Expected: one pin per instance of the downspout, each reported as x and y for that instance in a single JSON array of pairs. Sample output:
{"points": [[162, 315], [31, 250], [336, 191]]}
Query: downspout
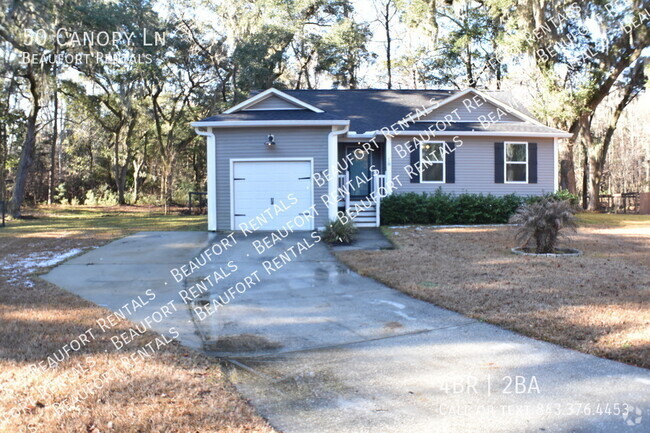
{"points": [[556, 167], [332, 169], [212, 176]]}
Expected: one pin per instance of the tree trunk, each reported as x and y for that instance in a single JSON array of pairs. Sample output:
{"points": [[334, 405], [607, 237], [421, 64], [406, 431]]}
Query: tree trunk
{"points": [[567, 168], [585, 177], [389, 65], [595, 174], [55, 130], [598, 156], [137, 166], [27, 153], [4, 153], [55, 137]]}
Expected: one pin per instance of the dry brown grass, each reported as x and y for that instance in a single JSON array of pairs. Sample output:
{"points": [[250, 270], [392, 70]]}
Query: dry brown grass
{"points": [[175, 390], [598, 303]]}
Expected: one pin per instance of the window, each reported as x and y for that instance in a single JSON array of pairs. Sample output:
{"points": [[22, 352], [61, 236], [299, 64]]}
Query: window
{"points": [[516, 162], [432, 160]]}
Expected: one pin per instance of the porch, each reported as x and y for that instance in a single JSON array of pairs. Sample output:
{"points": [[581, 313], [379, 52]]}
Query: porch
{"points": [[362, 181]]}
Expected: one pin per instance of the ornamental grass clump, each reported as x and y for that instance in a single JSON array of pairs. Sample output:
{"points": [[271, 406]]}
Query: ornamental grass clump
{"points": [[339, 232], [541, 222]]}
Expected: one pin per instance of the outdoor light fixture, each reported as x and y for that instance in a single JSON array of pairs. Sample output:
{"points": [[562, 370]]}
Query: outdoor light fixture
{"points": [[270, 141]]}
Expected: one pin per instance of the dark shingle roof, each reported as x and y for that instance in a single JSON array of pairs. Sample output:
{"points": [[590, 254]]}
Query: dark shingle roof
{"points": [[370, 110], [478, 127], [373, 109]]}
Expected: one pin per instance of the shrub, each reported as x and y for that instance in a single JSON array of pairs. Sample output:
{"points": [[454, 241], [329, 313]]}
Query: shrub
{"points": [[338, 232], [561, 195], [61, 194], [540, 222], [445, 208], [91, 199], [101, 196]]}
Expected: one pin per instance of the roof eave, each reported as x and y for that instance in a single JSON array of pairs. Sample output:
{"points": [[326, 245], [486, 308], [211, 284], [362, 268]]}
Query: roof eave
{"points": [[239, 123], [558, 134]]}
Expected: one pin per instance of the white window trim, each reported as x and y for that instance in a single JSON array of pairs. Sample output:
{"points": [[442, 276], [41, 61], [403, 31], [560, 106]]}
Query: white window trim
{"points": [[442, 144], [506, 162]]}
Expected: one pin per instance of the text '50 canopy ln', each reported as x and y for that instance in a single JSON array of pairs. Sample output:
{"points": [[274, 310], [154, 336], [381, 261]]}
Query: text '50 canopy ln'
{"points": [[299, 158]]}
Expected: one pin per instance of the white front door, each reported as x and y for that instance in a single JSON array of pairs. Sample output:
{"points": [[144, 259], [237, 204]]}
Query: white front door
{"points": [[268, 194]]}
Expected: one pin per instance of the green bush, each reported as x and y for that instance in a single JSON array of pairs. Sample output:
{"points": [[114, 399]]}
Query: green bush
{"points": [[446, 208], [61, 194], [561, 195], [338, 232], [101, 196]]}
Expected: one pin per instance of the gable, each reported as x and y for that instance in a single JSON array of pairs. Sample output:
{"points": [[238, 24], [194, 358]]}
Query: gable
{"points": [[273, 102], [470, 108], [277, 100]]}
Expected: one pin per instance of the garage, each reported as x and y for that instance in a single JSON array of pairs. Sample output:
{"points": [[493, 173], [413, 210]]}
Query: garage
{"points": [[271, 193]]}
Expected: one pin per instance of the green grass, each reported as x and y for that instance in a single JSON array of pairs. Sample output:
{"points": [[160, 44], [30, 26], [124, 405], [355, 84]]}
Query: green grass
{"points": [[112, 221], [610, 220]]}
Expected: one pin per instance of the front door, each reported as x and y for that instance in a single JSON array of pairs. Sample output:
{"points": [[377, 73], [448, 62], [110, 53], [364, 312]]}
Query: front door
{"points": [[359, 172]]}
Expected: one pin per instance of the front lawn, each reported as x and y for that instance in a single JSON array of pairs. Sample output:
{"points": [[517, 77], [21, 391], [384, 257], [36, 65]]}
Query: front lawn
{"points": [[598, 303], [177, 390]]}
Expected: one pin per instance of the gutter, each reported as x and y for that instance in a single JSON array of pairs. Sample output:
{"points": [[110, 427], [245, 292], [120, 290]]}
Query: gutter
{"points": [[332, 169], [211, 158], [434, 133], [239, 123]]}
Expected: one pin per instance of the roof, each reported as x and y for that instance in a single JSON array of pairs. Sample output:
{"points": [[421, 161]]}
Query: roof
{"points": [[523, 127], [271, 115], [370, 110], [373, 109]]}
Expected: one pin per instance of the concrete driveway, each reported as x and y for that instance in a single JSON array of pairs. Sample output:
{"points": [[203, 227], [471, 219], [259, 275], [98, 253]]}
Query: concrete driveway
{"points": [[318, 348]]}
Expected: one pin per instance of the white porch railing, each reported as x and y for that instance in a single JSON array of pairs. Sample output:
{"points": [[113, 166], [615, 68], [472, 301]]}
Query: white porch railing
{"points": [[344, 189], [379, 190]]}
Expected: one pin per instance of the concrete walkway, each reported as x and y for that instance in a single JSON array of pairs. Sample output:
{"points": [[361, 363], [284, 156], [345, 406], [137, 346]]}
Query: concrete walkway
{"points": [[318, 348]]}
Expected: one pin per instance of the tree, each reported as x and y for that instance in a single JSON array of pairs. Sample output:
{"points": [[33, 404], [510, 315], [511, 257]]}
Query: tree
{"points": [[15, 18], [462, 39], [342, 51], [173, 84], [582, 51], [386, 12]]}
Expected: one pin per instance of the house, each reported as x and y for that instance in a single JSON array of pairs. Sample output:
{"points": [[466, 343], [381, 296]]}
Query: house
{"points": [[298, 158]]}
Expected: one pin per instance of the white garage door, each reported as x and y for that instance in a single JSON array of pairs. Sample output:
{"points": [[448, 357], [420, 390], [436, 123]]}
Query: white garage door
{"points": [[271, 193]]}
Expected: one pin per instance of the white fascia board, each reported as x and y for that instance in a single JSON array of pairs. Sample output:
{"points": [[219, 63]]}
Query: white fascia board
{"points": [[367, 134], [434, 134], [239, 123], [267, 93]]}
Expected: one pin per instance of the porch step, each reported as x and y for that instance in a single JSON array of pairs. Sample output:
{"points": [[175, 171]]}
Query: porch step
{"points": [[366, 215], [365, 220]]}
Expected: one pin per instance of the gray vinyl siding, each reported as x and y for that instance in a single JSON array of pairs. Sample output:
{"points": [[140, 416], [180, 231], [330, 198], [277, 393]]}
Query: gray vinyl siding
{"points": [[475, 169], [273, 103], [472, 113], [249, 143]]}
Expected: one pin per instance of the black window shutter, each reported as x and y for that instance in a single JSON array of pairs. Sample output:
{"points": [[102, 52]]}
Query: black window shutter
{"points": [[498, 162], [450, 163], [415, 163], [532, 162]]}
